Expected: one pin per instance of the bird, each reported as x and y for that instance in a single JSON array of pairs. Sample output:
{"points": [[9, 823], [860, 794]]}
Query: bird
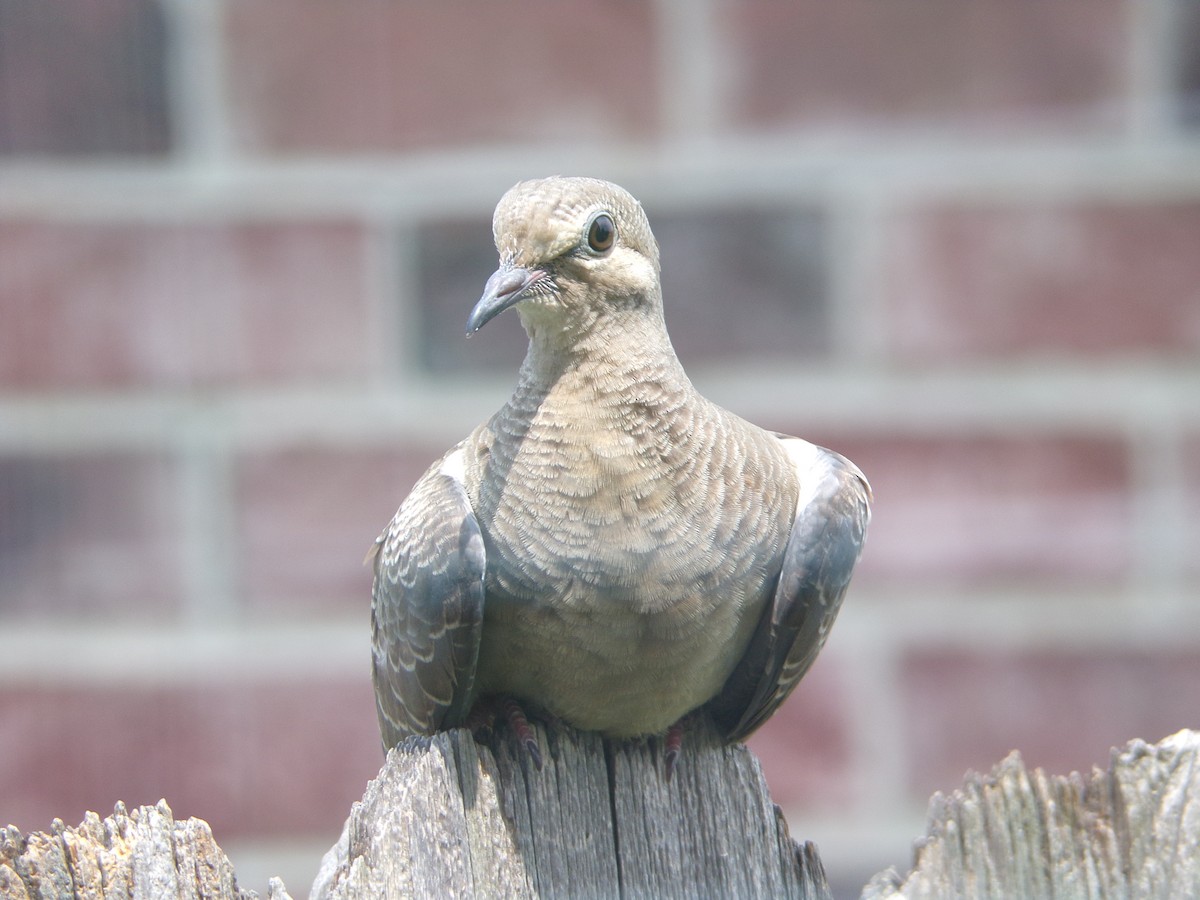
{"points": [[610, 549]]}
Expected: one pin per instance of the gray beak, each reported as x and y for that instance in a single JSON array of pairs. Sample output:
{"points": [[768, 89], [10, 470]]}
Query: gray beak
{"points": [[507, 286]]}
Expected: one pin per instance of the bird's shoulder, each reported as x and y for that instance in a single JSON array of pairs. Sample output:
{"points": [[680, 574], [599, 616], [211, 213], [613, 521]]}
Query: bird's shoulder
{"points": [[438, 497], [825, 475]]}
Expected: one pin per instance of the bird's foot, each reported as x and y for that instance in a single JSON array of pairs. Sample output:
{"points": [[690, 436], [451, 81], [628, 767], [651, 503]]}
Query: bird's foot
{"points": [[671, 747], [520, 726], [483, 716]]}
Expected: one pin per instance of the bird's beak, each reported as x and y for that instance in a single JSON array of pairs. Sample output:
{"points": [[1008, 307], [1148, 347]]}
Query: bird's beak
{"points": [[507, 286]]}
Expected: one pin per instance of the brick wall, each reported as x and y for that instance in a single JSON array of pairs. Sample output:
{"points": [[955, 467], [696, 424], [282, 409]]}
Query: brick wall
{"points": [[238, 242]]}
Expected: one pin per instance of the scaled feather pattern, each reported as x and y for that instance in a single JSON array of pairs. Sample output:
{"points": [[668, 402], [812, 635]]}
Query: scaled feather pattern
{"points": [[610, 548]]}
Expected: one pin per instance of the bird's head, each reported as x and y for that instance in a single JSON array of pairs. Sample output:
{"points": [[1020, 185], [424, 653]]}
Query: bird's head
{"points": [[572, 251]]}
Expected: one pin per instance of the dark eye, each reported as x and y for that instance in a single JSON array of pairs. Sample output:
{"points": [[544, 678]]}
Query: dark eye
{"points": [[601, 233]]}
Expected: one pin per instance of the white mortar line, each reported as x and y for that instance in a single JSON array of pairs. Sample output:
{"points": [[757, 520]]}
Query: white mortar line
{"points": [[688, 86], [869, 655], [858, 324], [1152, 64], [1160, 516], [208, 529], [119, 655], [197, 66], [1039, 617], [405, 302], [1047, 616], [904, 166], [390, 301], [1050, 399]]}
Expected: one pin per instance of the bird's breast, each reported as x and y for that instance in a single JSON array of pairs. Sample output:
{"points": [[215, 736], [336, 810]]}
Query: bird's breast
{"points": [[572, 520], [638, 554]]}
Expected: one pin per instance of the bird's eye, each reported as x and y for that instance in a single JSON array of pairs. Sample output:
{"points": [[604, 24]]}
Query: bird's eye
{"points": [[601, 233]]}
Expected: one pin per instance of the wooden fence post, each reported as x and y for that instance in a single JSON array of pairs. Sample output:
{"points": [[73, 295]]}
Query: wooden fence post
{"points": [[139, 853], [448, 817], [1132, 831]]}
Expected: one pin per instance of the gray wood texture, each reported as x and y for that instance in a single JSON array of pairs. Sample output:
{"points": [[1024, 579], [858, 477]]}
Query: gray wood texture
{"points": [[1132, 831], [143, 854], [449, 817]]}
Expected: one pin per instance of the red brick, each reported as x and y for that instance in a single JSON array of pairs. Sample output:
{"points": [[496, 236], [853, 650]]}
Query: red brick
{"points": [[966, 282], [990, 509], [818, 63], [89, 537], [318, 77], [82, 77], [1062, 709], [307, 516], [91, 305], [254, 760], [805, 747]]}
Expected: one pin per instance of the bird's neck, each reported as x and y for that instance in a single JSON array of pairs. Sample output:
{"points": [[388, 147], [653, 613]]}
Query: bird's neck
{"points": [[630, 358]]}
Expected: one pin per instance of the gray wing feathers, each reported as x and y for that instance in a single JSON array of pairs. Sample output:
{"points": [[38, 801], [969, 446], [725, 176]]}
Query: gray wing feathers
{"points": [[824, 545], [427, 608]]}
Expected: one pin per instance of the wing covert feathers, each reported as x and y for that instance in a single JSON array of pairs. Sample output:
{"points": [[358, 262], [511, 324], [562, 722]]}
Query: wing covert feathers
{"points": [[825, 542], [427, 607]]}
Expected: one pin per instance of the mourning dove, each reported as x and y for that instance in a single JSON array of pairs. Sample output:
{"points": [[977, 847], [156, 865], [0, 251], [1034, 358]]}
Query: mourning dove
{"points": [[610, 548]]}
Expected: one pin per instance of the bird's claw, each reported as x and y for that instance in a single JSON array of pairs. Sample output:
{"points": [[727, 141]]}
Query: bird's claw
{"points": [[521, 728], [671, 747]]}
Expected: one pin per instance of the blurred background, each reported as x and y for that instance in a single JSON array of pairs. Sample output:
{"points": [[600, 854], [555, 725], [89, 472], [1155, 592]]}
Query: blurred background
{"points": [[239, 239]]}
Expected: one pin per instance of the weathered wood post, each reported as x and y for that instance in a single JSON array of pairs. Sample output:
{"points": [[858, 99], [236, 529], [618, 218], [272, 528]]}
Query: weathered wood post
{"points": [[448, 817], [451, 818], [138, 853], [1132, 831]]}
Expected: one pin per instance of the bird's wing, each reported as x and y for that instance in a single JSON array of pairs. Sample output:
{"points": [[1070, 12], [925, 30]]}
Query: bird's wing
{"points": [[427, 606], [826, 539]]}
